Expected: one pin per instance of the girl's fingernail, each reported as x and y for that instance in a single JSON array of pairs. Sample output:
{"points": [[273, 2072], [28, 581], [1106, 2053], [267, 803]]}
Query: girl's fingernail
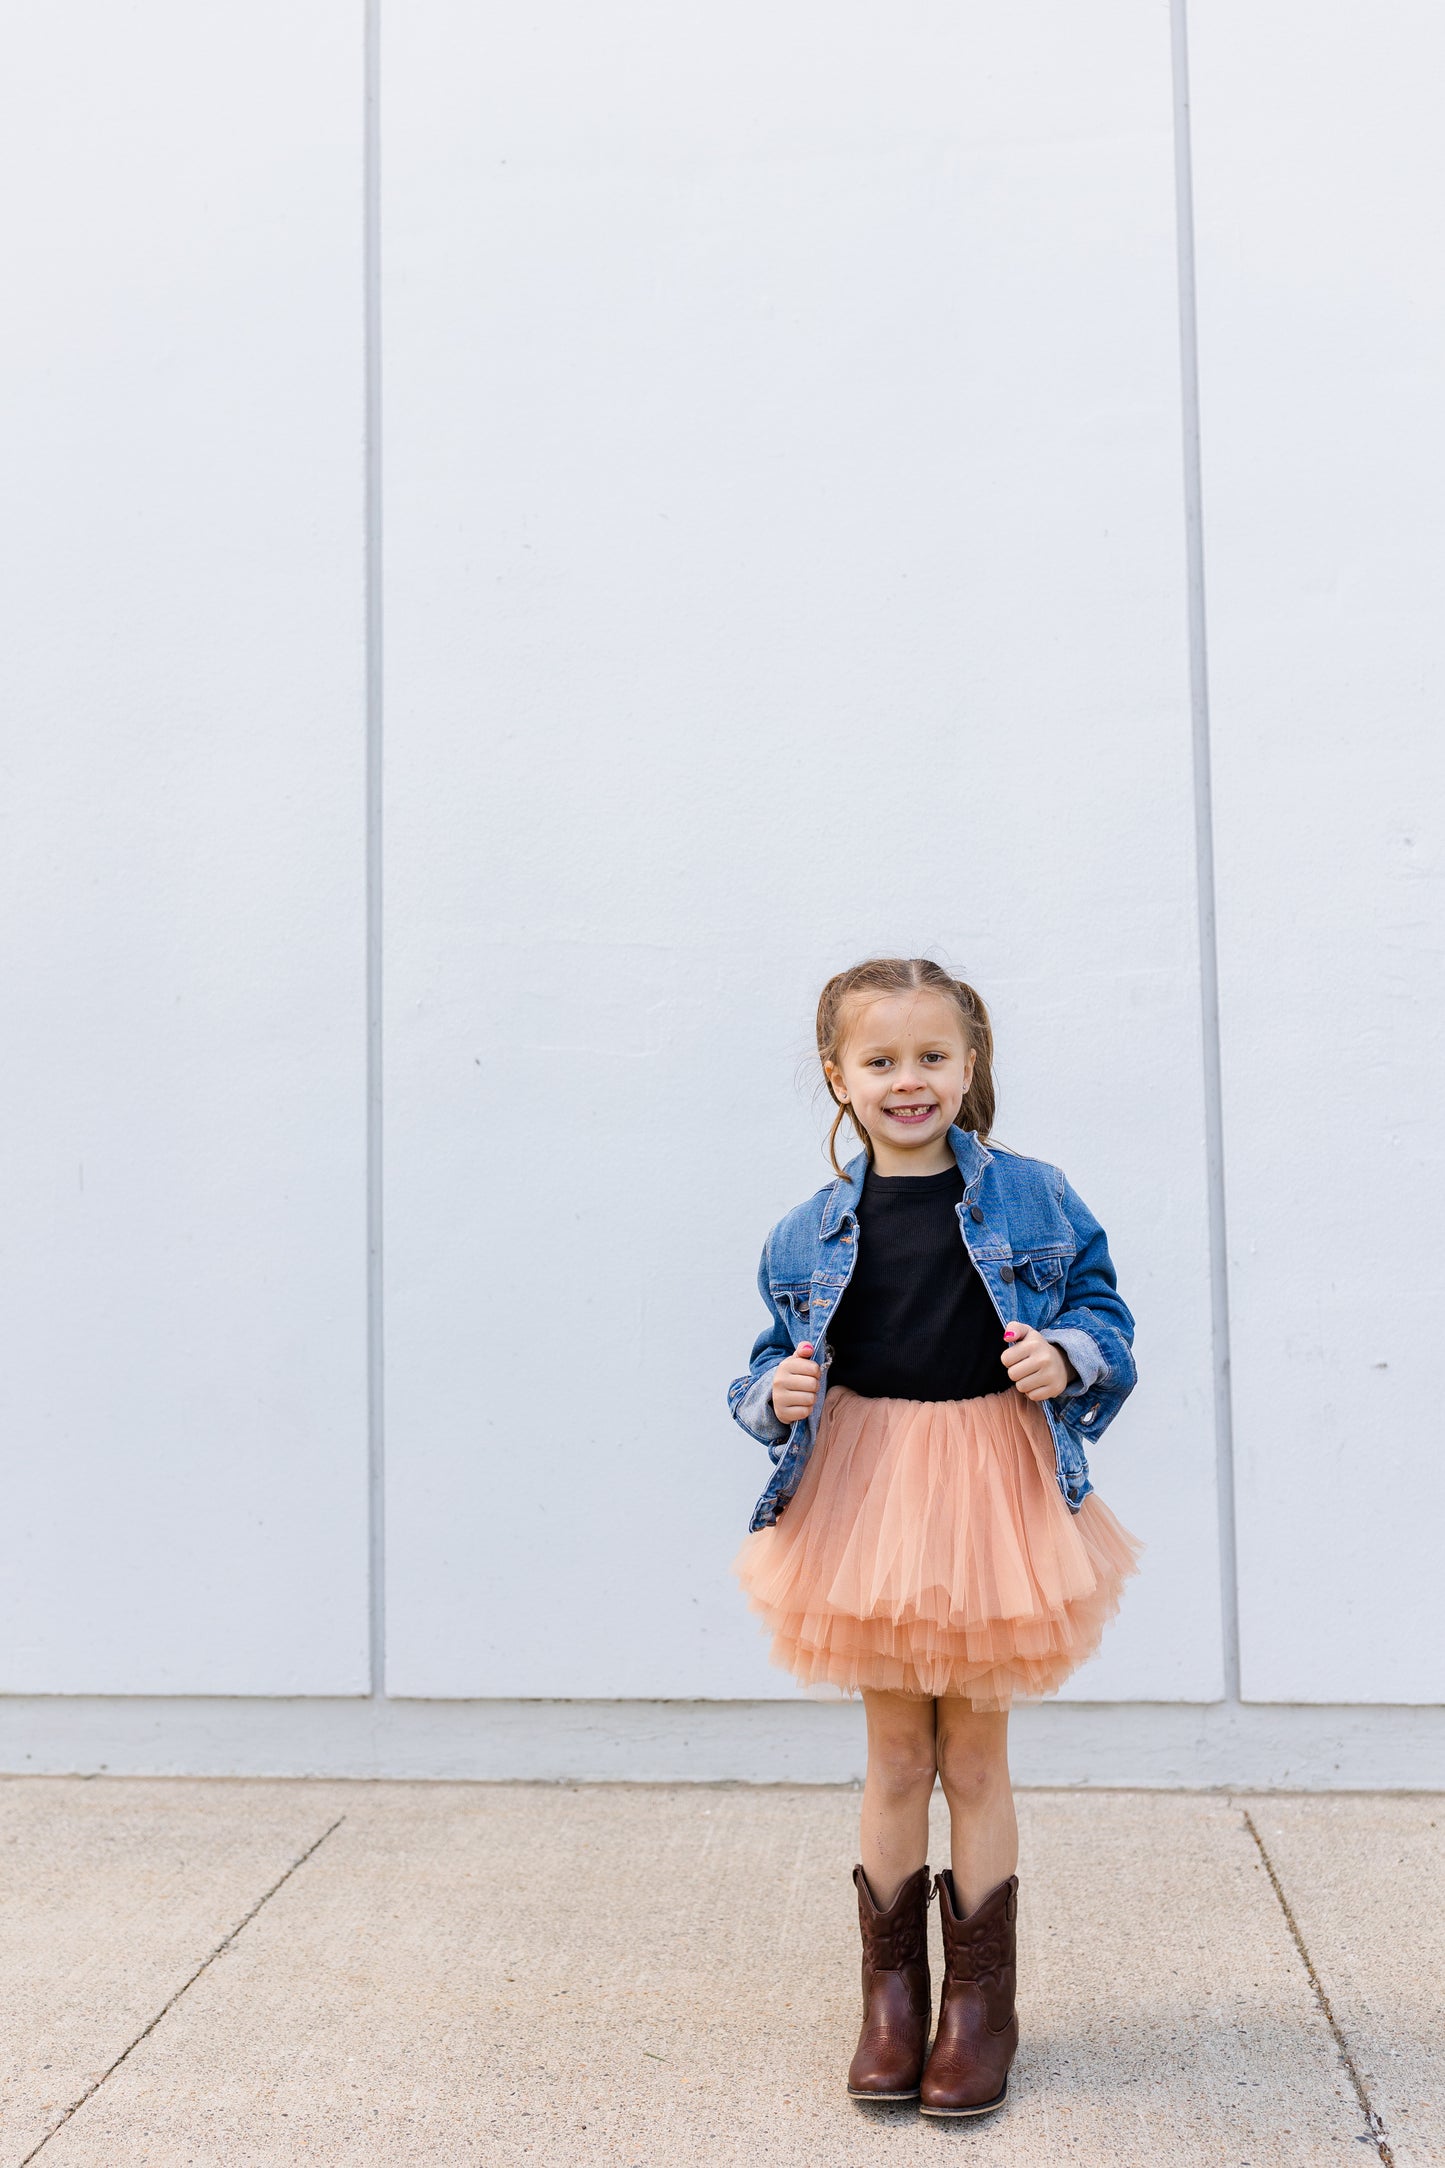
{"points": [[806, 1347]]}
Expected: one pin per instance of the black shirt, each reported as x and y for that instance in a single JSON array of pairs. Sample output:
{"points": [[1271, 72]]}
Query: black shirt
{"points": [[915, 1322]]}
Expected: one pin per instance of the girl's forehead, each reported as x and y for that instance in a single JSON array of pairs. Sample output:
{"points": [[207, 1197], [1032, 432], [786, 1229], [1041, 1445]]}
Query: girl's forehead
{"points": [[918, 1013]]}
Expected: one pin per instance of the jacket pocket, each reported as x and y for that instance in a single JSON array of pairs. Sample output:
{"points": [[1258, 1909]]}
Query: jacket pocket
{"points": [[793, 1299], [1041, 1269]]}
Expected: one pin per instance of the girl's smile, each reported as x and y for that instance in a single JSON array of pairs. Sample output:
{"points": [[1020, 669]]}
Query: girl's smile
{"points": [[920, 1111]]}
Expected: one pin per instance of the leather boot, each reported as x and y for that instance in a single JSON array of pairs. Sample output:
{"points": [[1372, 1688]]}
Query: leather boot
{"points": [[978, 2032], [896, 2006]]}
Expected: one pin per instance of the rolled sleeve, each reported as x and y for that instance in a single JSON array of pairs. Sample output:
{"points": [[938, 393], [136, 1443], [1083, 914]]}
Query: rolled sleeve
{"points": [[1085, 1354], [754, 1410]]}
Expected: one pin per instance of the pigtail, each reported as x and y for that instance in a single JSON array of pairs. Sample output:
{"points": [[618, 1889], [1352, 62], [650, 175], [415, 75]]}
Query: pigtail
{"points": [[829, 1037], [980, 1100], [838, 1120]]}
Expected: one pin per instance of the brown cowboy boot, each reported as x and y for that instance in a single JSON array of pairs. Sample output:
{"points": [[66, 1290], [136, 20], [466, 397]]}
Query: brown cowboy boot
{"points": [[978, 2033], [891, 2046]]}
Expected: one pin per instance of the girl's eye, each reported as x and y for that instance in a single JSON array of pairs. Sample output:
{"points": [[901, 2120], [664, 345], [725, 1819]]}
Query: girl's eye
{"points": [[879, 1061], [935, 1057]]}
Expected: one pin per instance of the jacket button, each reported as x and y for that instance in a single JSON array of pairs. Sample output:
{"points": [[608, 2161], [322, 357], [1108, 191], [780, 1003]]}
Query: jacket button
{"points": [[1006, 1274], [975, 1213]]}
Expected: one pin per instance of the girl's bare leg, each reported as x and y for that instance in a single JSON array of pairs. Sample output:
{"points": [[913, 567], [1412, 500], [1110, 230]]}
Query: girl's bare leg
{"points": [[973, 1765], [902, 1764]]}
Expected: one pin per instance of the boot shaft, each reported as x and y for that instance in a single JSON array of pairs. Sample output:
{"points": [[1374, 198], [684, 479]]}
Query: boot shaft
{"points": [[981, 1946], [895, 1936]]}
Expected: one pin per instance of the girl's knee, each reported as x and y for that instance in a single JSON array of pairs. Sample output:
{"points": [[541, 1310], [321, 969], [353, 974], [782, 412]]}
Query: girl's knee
{"points": [[902, 1767], [970, 1767]]}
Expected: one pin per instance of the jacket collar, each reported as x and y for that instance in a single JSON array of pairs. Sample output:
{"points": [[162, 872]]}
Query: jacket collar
{"points": [[971, 1157]]}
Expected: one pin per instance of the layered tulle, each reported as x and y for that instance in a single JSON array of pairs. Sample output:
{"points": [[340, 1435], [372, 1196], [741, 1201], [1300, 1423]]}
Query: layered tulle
{"points": [[929, 1550]]}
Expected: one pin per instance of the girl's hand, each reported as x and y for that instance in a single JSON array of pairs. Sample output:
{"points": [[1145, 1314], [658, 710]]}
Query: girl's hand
{"points": [[1037, 1368], [795, 1385]]}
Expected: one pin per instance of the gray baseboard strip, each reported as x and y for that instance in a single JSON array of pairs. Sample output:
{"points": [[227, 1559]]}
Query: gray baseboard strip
{"points": [[1249, 1746]]}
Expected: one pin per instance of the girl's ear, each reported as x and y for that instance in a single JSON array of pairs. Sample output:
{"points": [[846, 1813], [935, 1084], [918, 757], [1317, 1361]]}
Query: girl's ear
{"points": [[970, 1061], [835, 1080]]}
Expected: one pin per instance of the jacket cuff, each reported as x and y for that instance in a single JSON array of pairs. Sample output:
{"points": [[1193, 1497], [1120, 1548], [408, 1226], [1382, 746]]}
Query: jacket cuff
{"points": [[756, 1413], [1085, 1355]]}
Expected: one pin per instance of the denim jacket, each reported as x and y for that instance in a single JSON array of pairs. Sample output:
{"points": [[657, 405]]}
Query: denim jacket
{"points": [[1038, 1250]]}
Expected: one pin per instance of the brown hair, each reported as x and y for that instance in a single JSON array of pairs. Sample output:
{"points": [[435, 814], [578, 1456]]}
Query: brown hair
{"points": [[903, 975]]}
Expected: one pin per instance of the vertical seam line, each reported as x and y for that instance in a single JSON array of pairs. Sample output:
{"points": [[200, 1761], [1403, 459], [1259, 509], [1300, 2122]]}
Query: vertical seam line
{"points": [[1373, 2121], [371, 366], [186, 1985], [1204, 856]]}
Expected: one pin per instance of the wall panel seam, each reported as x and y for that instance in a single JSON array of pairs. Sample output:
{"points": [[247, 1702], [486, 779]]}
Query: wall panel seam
{"points": [[1204, 852], [372, 540]]}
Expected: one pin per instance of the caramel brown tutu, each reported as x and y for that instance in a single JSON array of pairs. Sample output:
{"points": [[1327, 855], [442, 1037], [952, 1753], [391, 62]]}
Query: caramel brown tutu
{"points": [[929, 1550]]}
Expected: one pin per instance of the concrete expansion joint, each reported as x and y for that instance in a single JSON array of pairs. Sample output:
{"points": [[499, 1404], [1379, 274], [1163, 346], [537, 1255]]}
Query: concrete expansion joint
{"points": [[1373, 2121], [186, 1985]]}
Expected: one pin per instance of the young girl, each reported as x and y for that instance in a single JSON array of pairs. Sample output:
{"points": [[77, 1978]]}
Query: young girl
{"points": [[944, 1331]]}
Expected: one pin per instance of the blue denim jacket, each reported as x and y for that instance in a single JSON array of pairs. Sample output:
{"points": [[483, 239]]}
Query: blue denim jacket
{"points": [[1038, 1250]]}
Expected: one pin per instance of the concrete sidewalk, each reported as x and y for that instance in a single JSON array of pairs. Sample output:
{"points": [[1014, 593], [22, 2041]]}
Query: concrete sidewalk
{"points": [[251, 1972]]}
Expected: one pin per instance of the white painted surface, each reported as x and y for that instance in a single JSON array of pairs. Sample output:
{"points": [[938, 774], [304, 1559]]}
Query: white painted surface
{"points": [[780, 403], [182, 929], [1171, 1746], [784, 562], [1320, 172]]}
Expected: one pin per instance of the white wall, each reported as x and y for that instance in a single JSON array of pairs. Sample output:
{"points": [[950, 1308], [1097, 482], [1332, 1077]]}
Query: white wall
{"points": [[784, 563], [183, 925], [784, 559], [1320, 175]]}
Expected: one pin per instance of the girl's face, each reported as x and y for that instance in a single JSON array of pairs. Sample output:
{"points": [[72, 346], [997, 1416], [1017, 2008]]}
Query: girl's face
{"points": [[903, 1068]]}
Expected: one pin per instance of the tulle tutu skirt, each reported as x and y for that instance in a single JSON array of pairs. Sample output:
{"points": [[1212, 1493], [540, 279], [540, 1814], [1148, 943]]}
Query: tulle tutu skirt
{"points": [[929, 1550]]}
